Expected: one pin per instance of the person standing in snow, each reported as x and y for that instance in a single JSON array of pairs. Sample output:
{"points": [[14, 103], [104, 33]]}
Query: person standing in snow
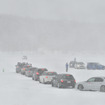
{"points": [[67, 67]]}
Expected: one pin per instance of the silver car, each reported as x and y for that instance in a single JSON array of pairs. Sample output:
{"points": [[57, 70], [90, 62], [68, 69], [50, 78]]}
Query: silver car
{"points": [[29, 71], [47, 77], [94, 83], [79, 65]]}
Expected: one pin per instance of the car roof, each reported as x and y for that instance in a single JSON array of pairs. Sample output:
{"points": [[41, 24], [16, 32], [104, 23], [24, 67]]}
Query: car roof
{"points": [[50, 71], [98, 77], [92, 62], [64, 74], [41, 68], [33, 67], [79, 62]]}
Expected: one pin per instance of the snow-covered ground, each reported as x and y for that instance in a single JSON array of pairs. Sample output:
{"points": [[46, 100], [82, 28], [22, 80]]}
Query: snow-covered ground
{"points": [[16, 89]]}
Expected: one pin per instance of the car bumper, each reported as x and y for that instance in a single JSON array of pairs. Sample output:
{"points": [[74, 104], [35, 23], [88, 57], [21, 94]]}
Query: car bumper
{"points": [[67, 84]]}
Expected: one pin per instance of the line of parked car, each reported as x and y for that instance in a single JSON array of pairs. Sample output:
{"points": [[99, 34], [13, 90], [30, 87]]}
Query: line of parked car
{"points": [[59, 80], [90, 65]]}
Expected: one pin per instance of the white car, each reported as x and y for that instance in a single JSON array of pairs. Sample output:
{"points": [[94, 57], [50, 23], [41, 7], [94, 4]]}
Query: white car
{"points": [[46, 77], [79, 65], [94, 83]]}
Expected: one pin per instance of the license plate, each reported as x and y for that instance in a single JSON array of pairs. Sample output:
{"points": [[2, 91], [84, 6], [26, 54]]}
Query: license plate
{"points": [[68, 81]]}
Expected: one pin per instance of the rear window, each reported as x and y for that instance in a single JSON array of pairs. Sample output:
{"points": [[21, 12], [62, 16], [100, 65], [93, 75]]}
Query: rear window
{"points": [[32, 69], [42, 70], [69, 77], [51, 73]]}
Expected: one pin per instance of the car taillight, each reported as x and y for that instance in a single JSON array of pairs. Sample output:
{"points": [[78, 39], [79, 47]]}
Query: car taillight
{"points": [[46, 77], [75, 81], [62, 80], [23, 68], [67, 75], [37, 73]]}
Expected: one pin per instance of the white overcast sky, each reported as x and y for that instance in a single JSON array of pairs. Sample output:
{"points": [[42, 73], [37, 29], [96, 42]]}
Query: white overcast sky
{"points": [[75, 10]]}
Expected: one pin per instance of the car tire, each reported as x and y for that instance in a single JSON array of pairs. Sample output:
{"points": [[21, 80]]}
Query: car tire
{"points": [[44, 81], [73, 86], [58, 85], [52, 84], [32, 78], [80, 87], [102, 88], [39, 81], [35, 79]]}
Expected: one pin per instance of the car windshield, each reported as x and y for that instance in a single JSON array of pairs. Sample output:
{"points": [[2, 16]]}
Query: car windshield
{"points": [[93, 63], [30, 69], [69, 77]]}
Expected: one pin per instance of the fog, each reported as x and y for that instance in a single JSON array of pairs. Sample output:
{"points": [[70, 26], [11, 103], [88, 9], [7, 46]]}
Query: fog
{"points": [[55, 25]]}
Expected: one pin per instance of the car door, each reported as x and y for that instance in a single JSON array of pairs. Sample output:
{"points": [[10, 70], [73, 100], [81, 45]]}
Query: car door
{"points": [[89, 84], [98, 82]]}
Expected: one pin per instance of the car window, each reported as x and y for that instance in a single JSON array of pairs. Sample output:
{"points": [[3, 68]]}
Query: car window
{"points": [[41, 70], [69, 77], [58, 76], [91, 80], [32, 69], [98, 80], [44, 73], [51, 73]]}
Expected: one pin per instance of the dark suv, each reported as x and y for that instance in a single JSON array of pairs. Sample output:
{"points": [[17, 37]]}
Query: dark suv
{"points": [[63, 80], [25, 67], [29, 71], [19, 66], [37, 73]]}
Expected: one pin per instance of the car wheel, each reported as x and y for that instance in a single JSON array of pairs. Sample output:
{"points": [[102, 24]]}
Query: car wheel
{"points": [[39, 81], [35, 79], [58, 85], [44, 81], [73, 86], [80, 87], [102, 88], [32, 78], [52, 84]]}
